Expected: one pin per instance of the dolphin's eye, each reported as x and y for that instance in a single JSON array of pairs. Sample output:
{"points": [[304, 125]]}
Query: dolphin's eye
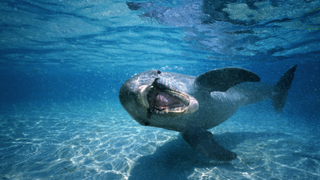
{"points": [[146, 123]]}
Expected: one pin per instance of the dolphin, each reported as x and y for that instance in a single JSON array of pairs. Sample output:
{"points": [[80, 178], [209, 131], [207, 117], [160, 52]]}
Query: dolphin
{"points": [[192, 105]]}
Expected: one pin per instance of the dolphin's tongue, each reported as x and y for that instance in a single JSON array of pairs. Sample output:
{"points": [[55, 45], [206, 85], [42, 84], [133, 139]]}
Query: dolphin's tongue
{"points": [[164, 100]]}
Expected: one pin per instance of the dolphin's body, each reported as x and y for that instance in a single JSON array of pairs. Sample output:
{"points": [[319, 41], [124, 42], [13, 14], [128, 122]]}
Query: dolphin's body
{"points": [[192, 105]]}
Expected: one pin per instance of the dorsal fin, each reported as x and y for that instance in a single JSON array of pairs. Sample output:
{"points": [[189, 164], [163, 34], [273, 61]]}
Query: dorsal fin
{"points": [[224, 78]]}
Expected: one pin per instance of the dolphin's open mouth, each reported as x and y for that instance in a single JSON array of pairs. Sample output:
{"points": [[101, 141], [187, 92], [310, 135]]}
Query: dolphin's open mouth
{"points": [[167, 100], [162, 100]]}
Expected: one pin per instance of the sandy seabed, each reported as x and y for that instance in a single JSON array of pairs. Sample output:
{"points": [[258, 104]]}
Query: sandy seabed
{"points": [[94, 140]]}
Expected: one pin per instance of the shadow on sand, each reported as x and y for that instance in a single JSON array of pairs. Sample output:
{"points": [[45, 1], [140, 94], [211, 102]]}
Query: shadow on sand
{"points": [[176, 160]]}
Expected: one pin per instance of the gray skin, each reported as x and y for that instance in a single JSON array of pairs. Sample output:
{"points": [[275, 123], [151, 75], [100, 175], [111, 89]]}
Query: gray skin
{"points": [[192, 105]]}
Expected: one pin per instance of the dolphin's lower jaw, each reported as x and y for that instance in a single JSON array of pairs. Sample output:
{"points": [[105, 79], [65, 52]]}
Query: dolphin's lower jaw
{"points": [[166, 101]]}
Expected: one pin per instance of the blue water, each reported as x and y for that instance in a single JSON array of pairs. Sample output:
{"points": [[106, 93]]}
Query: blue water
{"points": [[62, 64]]}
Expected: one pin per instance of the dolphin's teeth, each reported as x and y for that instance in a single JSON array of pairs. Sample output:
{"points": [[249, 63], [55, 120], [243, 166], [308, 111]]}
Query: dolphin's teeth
{"points": [[182, 96]]}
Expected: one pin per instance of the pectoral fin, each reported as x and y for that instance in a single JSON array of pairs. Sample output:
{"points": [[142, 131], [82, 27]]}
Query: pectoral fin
{"points": [[204, 142], [224, 78]]}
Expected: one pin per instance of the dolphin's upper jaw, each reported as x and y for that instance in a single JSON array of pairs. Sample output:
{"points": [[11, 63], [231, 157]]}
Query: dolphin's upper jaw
{"points": [[166, 100]]}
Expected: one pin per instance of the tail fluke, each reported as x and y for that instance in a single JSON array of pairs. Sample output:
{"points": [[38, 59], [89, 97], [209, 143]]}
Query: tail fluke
{"points": [[280, 94]]}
